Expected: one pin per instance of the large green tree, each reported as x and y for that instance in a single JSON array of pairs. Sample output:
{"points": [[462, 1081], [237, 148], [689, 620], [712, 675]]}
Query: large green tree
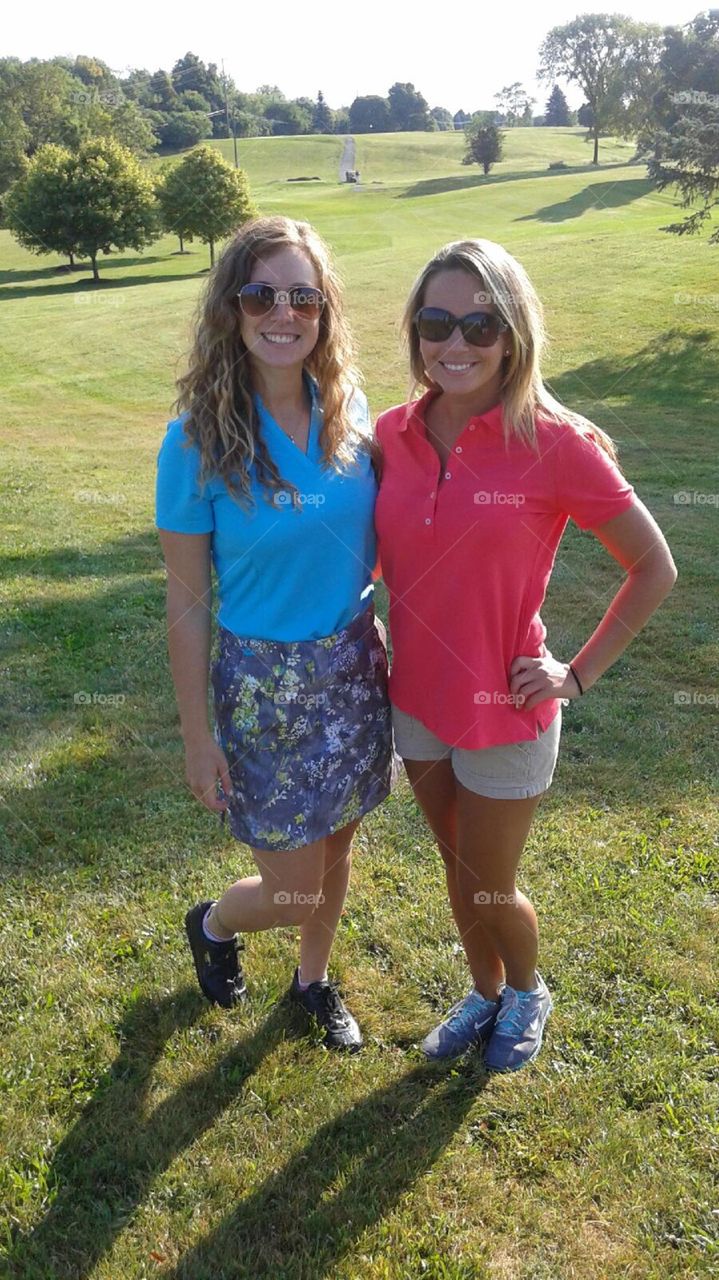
{"points": [[206, 197], [611, 58], [681, 142], [38, 208], [369, 114], [92, 200], [408, 109]]}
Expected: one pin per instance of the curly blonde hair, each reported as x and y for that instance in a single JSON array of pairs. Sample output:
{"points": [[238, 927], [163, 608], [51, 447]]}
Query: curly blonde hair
{"points": [[502, 281], [217, 391]]}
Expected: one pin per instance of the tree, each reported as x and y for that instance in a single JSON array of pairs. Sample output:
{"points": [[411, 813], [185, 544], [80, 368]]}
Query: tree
{"points": [[682, 140], [322, 121], [287, 117], [173, 201], [407, 108], [483, 145], [342, 120], [14, 139], [369, 114], [513, 102], [216, 197], [557, 109], [443, 118], [604, 54], [38, 207], [112, 202], [185, 129], [163, 94]]}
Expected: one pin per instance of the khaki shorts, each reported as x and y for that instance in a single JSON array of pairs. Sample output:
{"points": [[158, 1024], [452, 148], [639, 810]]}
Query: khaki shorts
{"points": [[513, 771]]}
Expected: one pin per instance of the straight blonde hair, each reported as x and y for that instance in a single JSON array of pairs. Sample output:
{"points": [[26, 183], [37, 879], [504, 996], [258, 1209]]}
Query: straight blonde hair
{"points": [[502, 281]]}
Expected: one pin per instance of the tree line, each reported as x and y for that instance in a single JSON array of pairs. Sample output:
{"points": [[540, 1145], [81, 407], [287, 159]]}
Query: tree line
{"points": [[61, 145]]}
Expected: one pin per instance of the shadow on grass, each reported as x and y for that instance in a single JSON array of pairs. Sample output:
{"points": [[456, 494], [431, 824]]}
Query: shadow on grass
{"points": [[112, 1156], [356, 1168], [462, 182], [89, 291], [675, 368], [598, 195]]}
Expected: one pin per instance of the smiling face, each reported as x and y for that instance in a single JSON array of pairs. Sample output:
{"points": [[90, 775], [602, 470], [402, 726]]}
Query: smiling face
{"points": [[281, 339], [459, 368]]}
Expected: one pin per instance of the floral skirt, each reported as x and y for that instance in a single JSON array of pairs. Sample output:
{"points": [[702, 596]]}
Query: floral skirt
{"points": [[306, 727]]}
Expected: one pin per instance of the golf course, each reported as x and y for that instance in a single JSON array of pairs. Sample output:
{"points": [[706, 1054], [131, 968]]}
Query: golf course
{"points": [[148, 1134]]}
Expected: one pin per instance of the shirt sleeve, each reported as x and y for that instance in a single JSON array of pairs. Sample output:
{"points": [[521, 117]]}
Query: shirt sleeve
{"points": [[589, 485], [181, 504]]}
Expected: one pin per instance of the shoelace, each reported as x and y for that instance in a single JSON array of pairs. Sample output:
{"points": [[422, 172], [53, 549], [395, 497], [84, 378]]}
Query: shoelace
{"points": [[330, 998], [510, 1017], [460, 1015]]}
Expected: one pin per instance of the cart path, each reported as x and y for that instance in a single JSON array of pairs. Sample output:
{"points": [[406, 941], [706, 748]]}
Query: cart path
{"points": [[348, 158]]}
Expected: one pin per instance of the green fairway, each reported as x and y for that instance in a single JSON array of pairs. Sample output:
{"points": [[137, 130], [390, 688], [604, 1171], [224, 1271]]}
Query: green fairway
{"points": [[148, 1135]]}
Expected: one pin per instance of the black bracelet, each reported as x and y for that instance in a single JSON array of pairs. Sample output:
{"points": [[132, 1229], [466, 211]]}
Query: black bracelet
{"points": [[576, 677]]}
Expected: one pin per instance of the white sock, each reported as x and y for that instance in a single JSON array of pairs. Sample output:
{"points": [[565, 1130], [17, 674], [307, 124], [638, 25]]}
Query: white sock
{"points": [[304, 985], [213, 937]]}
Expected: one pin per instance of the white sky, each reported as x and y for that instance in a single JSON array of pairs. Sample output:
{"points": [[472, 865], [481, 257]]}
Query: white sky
{"points": [[458, 55]]}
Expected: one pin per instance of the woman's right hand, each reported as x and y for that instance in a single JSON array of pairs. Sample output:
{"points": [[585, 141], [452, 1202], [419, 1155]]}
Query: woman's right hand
{"points": [[205, 766]]}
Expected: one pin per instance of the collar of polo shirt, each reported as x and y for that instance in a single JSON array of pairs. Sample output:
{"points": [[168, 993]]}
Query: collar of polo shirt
{"points": [[415, 412]]}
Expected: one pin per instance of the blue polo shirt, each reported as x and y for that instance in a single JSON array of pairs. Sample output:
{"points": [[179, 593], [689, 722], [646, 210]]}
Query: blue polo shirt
{"points": [[284, 572]]}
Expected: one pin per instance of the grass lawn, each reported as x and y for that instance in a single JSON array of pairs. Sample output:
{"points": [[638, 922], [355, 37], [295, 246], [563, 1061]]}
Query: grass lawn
{"points": [[147, 1135]]}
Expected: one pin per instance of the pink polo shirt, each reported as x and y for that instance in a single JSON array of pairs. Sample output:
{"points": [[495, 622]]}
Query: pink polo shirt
{"points": [[467, 552]]}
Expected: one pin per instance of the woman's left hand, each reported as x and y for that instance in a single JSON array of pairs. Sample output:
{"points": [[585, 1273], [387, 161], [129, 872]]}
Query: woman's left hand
{"points": [[534, 680]]}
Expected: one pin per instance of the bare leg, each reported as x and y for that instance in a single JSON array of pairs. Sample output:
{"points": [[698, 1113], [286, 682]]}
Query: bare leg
{"points": [[490, 838], [318, 931], [284, 893], [435, 788]]}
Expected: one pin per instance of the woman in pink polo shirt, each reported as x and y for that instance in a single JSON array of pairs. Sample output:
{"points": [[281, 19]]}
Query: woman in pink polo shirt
{"points": [[480, 476]]}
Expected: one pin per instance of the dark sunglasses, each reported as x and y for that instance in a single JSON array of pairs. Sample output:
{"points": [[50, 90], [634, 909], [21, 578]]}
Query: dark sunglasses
{"points": [[258, 300], [478, 328]]}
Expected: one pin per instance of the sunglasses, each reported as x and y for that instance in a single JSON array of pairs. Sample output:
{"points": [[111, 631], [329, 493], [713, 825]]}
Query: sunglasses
{"points": [[478, 328], [258, 300]]}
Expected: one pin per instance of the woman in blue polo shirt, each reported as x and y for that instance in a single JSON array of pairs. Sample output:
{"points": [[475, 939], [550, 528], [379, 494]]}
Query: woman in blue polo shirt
{"points": [[268, 475]]}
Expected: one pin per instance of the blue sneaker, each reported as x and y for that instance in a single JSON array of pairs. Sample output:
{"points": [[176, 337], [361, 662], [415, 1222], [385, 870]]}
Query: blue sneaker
{"points": [[469, 1022], [517, 1034]]}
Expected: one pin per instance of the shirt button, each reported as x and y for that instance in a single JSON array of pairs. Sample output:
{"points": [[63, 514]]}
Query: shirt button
{"points": [[448, 475], [471, 426], [458, 449], [432, 494], [427, 520]]}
